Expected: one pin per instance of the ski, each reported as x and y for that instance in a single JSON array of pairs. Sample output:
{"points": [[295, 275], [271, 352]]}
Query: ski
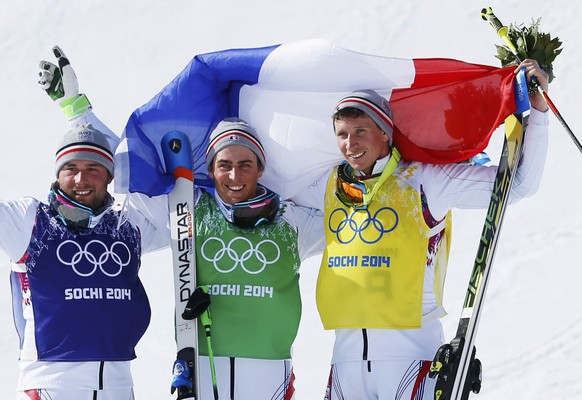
{"points": [[455, 367], [178, 160]]}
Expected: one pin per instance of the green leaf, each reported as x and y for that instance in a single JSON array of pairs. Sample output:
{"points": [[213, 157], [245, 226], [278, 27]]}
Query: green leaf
{"points": [[532, 43]]}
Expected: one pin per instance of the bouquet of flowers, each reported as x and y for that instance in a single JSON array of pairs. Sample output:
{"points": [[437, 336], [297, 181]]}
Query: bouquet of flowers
{"points": [[530, 42]]}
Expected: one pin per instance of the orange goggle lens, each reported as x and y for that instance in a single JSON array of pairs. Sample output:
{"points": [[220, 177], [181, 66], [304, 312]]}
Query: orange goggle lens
{"points": [[349, 192]]}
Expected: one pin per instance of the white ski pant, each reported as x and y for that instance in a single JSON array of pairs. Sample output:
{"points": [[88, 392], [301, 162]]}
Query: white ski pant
{"points": [[60, 394], [380, 380], [247, 379]]}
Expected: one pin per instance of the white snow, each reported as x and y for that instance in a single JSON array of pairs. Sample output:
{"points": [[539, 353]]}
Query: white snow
{"points": [[125, 51]]}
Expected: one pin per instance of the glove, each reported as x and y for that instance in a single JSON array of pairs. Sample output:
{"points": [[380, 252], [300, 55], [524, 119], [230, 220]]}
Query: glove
{"points": [[60, 83]]}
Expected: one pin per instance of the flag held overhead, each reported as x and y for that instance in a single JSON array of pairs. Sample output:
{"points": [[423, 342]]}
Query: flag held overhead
{"points": [[444, 110]]}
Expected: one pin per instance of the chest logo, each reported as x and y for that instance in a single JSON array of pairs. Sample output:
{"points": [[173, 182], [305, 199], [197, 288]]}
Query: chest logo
{"points": [[240, 251], [361, 223], [85, 260]]}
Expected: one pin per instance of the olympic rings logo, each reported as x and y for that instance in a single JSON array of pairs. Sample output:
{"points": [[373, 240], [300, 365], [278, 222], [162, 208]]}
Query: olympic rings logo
{"points": [[240, 251], [96, 254], [370, 229]]}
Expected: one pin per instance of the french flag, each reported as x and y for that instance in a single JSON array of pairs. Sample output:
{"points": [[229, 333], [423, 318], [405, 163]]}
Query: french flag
{"points": [[444, 110]]}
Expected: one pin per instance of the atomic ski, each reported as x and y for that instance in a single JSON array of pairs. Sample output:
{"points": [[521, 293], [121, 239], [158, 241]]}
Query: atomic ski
{"points": [[455, 367], [178, 160]]}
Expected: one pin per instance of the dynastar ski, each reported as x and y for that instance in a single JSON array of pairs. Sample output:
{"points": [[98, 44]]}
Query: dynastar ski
{"points": [[455, 367], [178, 159]]}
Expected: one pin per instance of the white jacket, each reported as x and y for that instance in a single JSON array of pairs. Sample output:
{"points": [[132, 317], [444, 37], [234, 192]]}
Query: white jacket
{"points": [[446, 187]]}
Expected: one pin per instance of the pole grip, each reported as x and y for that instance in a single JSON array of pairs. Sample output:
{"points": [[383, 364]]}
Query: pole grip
{"points": [[487, 15]]}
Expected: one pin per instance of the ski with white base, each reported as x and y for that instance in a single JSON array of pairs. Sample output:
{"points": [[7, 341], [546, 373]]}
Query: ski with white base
{"points": [[177, 153]]}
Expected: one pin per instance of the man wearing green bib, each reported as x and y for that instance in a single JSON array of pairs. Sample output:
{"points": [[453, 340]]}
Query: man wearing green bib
{"points": [[249, 257]]}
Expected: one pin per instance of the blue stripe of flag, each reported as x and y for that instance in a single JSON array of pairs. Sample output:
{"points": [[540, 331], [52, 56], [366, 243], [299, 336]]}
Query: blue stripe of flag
{"points": [[204, 93]]}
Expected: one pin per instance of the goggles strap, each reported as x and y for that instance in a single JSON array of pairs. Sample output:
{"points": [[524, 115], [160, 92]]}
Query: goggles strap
{"points": [[73, 214], [229, 211], [388, 170]]}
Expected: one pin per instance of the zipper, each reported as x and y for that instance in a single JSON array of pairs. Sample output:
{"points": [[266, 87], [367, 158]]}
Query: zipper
{"points": [[101, 367], [232, 369], [365, 339], [365, 349]]}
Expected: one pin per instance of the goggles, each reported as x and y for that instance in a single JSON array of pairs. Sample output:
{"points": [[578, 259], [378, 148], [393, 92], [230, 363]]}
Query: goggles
{"points": [[349, 190], [73, 214], [254, 212], [353, 192]]}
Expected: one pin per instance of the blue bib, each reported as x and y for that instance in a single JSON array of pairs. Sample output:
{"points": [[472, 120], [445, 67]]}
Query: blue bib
{"points": [[87, 300]]}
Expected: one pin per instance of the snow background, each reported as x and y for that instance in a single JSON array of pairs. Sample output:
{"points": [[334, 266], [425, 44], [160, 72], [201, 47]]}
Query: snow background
{"points": [[125, 51]]}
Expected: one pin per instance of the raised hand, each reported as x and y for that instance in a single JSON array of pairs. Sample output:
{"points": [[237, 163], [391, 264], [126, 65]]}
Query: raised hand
{"points": [[60, 82]]}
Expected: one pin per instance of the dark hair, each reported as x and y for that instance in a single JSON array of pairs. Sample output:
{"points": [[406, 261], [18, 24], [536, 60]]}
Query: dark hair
{"points": [[348, 112]]}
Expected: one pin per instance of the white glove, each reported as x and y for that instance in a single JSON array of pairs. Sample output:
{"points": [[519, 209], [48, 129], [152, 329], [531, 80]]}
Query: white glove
{"points": [[60, 83]]}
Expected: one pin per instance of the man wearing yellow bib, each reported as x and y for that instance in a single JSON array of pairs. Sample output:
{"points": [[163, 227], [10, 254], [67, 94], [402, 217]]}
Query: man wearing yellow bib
{"points": [[387, 224]]}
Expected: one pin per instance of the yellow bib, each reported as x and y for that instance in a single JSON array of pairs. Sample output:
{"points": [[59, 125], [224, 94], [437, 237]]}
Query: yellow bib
{"points": [[372, 270]]}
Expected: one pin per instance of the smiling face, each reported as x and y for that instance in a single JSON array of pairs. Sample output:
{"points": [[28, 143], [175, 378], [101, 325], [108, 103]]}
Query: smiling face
{"points": [[360, 141], [85, 182], [235, 171]]}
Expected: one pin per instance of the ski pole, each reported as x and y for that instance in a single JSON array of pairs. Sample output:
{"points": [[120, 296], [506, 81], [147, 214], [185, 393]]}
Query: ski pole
{"points": [[206, 322], [198, 307], [487, 15]]}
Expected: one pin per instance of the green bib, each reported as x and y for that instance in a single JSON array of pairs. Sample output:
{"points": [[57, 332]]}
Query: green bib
{"points": [[253, 282]]}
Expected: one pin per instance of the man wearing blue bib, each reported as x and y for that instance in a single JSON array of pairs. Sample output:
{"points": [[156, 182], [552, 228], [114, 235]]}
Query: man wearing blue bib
{"points": [[79, 306]]}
